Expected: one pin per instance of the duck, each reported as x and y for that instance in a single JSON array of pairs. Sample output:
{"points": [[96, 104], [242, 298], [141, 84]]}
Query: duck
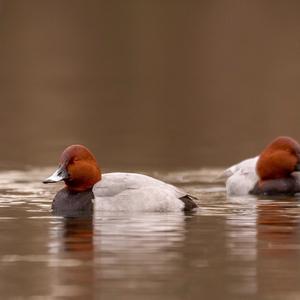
{"points": [[274, 171], [87, 189]]}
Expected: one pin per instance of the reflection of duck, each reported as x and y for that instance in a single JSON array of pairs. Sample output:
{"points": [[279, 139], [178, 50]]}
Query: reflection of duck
{"points": [[263, 246], [113, 191], [278, 251], [76, 236], [72, 248], [272, 172], [277, 225], [137, 248]]}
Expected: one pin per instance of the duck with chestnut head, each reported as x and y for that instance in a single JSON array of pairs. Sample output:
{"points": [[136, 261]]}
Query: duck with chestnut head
{"points": [[274, 171], [86, 189]]}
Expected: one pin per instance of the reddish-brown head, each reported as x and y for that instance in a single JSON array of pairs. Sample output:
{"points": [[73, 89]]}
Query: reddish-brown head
{"points": [[279, 159], [78, 168]]}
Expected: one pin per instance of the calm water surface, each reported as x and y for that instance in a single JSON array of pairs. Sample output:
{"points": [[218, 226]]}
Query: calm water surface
{"points": [[238, 248]]}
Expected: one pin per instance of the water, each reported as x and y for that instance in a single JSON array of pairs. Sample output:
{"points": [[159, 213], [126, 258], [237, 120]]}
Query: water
{"points": [[231, 248]]}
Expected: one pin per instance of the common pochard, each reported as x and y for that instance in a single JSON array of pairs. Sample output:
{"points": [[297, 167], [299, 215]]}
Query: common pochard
{"points": [[274, 171], [86, 189]]}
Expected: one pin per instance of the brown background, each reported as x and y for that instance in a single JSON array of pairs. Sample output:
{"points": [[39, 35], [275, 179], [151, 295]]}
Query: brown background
{"points": [[147, 84]]}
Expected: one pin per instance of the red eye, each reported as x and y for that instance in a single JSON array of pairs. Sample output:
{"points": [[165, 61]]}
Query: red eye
{"points": [[71, 161]]}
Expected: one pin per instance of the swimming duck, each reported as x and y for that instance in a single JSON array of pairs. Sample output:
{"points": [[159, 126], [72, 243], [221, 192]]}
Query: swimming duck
{"points": [[274, 171], [87, 189]]}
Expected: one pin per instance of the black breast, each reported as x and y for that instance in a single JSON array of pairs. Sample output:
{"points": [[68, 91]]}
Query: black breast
{"points": [[289, 185], [66, 202]]}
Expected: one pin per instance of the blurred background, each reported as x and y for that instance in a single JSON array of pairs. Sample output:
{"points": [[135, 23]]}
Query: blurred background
{"points": [[147, 84]]}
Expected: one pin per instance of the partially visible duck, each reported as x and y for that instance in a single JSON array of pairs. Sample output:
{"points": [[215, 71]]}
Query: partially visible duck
{"points": [[87, 189], [272, 172], [242, 177]]}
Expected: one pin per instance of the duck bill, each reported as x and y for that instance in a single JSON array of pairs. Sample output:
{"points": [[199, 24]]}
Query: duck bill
{"points": [[60, 174]]}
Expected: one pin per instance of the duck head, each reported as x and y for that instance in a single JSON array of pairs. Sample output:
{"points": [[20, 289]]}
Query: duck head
{"points": [[279, 159], [78, 168]]}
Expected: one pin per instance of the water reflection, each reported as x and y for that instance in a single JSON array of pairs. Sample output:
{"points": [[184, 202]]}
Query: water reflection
{"points": [[72, 241], [263, 247], [118, 250], [278, 222], [139, 247], [76, 235], [241, 244], [248, 247]]}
